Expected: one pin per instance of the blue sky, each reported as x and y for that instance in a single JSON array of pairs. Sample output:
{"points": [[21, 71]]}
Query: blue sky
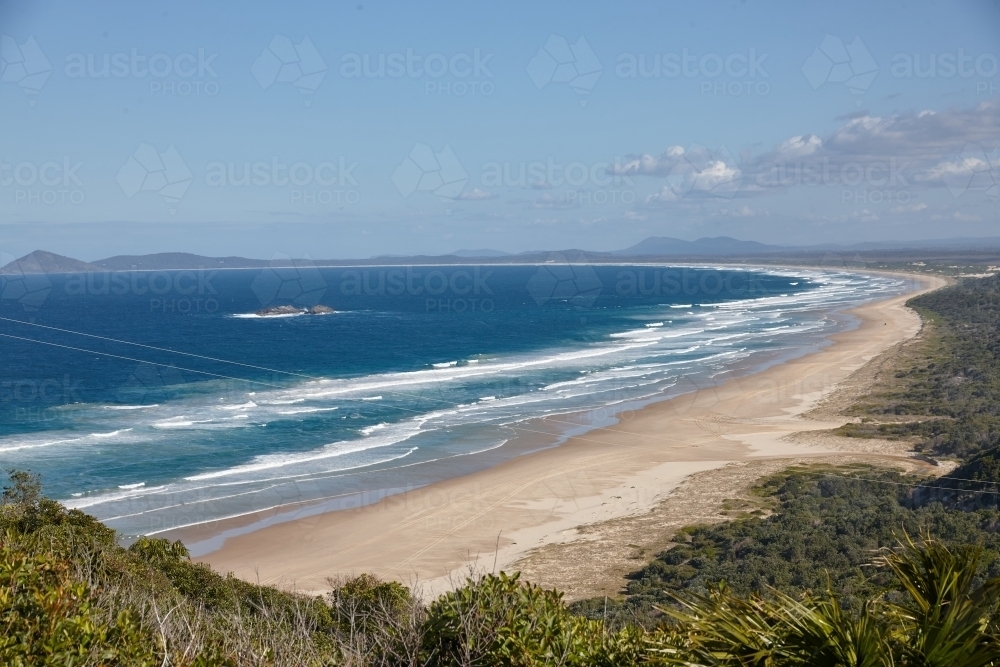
{"points": [[514, 126]]}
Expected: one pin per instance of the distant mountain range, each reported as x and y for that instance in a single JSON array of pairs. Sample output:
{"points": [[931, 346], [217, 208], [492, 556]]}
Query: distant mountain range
{"points": [[705, 247], [718, 247]]}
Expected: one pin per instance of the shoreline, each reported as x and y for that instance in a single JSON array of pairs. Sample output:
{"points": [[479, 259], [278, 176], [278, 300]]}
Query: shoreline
{"points": [[494, 517]]}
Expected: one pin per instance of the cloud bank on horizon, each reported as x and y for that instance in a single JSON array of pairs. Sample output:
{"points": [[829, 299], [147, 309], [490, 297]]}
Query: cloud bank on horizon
{"points": [[356, 130]]}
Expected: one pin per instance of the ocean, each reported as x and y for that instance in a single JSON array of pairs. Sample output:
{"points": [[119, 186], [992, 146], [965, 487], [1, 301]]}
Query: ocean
{"points": [[158, 400]]}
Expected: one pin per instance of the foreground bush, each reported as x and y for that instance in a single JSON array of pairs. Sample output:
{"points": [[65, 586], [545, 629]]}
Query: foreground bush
{"points": [[944, 621], [499, 621], [822, 528], [49, 619], [69, 595]]}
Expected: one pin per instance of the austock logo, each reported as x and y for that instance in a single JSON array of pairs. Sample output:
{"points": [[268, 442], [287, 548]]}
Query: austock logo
{"points": [[559, 280], [148, 170], [149, 383], [835, 62], [286, 281], [54, 182], [40, 400], [558, 61], [327, 182], [424, 170], [284, 62], [457, 290], [182, 75], [23, 64], [181, 291], [732, 75], [24, 282], [703, 282], [459, 74], [975, 170]]}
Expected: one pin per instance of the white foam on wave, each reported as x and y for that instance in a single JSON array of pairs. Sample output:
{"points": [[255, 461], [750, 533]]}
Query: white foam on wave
{"points": [[19, 445], [130, 407], [446, 364], [394, 434], [173, 422], [255, 510], [244, 406], [109, 435], [127, 487], [181, 422], [34, 443], [272, 467], [80, 502], [303, 411], [326, 388]]}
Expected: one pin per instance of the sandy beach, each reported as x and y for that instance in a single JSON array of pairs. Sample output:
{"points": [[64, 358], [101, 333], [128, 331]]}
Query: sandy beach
{"points": [[536, 511]]}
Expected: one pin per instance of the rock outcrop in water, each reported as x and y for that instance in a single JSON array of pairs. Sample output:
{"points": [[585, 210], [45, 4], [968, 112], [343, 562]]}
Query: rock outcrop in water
{"points": [[279, 311]]}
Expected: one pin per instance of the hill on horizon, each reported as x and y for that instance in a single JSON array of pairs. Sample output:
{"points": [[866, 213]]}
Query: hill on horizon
{"points": [[176, 260], [716, 247], [42, 261]]}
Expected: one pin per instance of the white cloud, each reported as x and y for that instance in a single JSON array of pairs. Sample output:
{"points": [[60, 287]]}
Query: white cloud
{"points": [[800, 146], [665, 194], [897, 152], [715, 174], [693, 172], [922, 138], [964, 217], [650, 165]]}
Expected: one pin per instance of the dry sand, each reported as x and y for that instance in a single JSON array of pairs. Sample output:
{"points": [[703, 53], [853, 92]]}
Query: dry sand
{"points": [[583, 514]]}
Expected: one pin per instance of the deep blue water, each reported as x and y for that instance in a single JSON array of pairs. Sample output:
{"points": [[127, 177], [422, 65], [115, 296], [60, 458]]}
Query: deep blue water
{"points": [[422, 372]]}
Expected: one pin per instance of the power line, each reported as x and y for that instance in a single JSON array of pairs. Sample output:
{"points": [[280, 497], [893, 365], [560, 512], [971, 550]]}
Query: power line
{"points": [[140, 361], [915, 486], [189, 354], [159, 349]]}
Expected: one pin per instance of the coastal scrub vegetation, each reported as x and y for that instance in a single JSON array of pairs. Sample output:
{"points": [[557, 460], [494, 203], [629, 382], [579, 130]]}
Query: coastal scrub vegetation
{"points": [[825, 527], [69, 595], [946, 392]]}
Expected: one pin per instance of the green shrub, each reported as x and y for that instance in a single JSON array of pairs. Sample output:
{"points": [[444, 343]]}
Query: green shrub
{"points": [[497, 620], [49, 619]]}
